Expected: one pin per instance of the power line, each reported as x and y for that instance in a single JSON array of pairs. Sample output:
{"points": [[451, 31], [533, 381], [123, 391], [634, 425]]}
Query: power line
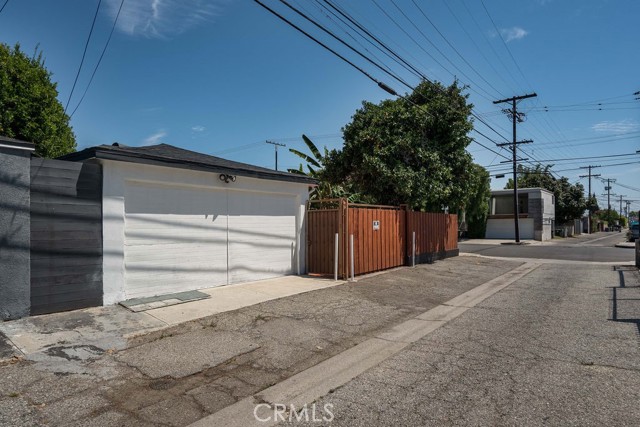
{"points": [[345, 43], [376, 39], [576, 169], [464, 29], [589, 157], [84, 53], [504, 43], [628, 187], [379, 83], [115, 21], [362, 28], [452, 46], [484, 36], [4, 5], [428, 41], [345, 27]]}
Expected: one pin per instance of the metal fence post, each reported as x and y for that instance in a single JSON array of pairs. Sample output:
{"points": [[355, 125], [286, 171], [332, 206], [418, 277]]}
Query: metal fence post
{"points": [[335, 262], [353, 275], [413, 249]]}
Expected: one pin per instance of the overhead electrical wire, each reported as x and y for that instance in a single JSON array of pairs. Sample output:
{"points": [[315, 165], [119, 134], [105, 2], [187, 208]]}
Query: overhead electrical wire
{"points": [[93, 74], [4, 5], [499, 34], [486, 39], [549, 121], [452, 46], [581, 168], [380, 84], [351, 48], [84, 53], [464, 29], [363, 29], [586, 158], [375, 2], [368, 33], [344, 27]]}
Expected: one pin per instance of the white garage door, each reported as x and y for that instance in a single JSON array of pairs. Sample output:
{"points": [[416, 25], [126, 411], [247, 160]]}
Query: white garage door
{"points": [[183, 238], [262, 236], [504, 228]]}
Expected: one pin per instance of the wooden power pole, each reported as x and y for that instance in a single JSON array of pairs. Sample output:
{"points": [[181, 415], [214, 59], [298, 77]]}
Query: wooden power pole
{"points": [[516, 117]]}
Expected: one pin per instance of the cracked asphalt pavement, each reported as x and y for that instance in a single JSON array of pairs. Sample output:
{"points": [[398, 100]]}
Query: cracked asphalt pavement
{"points": [[180, 379], [560, 346]]}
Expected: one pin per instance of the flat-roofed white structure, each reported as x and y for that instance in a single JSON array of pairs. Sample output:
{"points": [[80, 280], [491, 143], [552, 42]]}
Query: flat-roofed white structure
{"points": [[536, 216]]}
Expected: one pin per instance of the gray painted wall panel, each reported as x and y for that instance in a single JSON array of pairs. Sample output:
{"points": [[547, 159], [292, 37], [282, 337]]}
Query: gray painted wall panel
{"points": [[14, 233], [66, 237]]}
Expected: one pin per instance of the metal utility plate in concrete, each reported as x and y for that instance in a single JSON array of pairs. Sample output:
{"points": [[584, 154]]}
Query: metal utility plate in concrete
{"points": [[143, 304]]}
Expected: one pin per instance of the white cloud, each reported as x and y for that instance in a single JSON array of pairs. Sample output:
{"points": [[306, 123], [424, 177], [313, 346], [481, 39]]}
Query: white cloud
{"points": [[154, 139], [198, 128], [619, 126], [513, 33], [162, 18]]}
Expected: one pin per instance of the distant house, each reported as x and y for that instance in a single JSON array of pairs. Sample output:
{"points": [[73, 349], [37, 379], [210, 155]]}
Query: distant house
{"points": [[536, 214]]}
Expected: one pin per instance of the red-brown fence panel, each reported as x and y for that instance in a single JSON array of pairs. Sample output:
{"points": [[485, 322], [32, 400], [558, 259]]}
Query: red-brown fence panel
{"points": [[378, 234], [322, 225], [383, 237], [436, 236]]}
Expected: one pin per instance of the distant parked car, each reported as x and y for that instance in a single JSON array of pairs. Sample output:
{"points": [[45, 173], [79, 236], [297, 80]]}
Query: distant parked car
{"points": [[633, 232]]}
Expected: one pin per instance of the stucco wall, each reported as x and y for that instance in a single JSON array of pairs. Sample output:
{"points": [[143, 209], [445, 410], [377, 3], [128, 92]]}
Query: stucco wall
{"points": [[118, 177], [15, 233]]}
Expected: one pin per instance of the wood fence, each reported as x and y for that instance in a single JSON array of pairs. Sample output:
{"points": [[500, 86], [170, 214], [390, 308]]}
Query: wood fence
{"points": [[383, 237]]}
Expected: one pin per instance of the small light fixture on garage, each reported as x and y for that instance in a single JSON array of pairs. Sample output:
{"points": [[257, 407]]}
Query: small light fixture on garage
{"points": [[226, 178]]}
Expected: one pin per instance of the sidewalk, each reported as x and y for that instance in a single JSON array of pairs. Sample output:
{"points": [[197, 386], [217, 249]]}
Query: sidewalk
{"points": [[117, 328]]}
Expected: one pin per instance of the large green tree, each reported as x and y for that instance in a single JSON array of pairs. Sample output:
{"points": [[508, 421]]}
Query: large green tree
{"points": [[409, 150], [477, 208], [570, 201], [29, 107]]}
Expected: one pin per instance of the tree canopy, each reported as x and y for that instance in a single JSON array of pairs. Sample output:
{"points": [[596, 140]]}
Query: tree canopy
{"points": [[315, 169], [410, 150], [478, 204], [570, 200], [29, 107]]}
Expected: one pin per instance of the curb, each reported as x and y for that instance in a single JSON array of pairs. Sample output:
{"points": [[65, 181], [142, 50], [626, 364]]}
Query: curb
{"points": [[626, 245]]}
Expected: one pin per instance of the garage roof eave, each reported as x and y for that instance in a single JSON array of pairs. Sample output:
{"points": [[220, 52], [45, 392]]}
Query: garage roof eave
{"points": [[131, 155]]}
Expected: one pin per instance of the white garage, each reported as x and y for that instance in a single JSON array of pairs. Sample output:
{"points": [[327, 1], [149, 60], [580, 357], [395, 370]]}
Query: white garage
{"points": [[176, 220]]}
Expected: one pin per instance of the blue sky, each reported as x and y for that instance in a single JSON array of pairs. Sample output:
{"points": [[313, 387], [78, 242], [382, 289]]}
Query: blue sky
{"points": [[223, 76]]}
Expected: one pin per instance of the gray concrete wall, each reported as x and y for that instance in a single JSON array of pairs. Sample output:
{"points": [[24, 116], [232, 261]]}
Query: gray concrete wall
{"points": [[15, 232], [535, 212]]}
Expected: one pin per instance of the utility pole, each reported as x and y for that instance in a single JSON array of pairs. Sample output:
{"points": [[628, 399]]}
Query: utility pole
{"points": [[516, 117], [275, 146], [608, 188], [621, 196], [626, 211], [609, 181], [590, 175]]}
